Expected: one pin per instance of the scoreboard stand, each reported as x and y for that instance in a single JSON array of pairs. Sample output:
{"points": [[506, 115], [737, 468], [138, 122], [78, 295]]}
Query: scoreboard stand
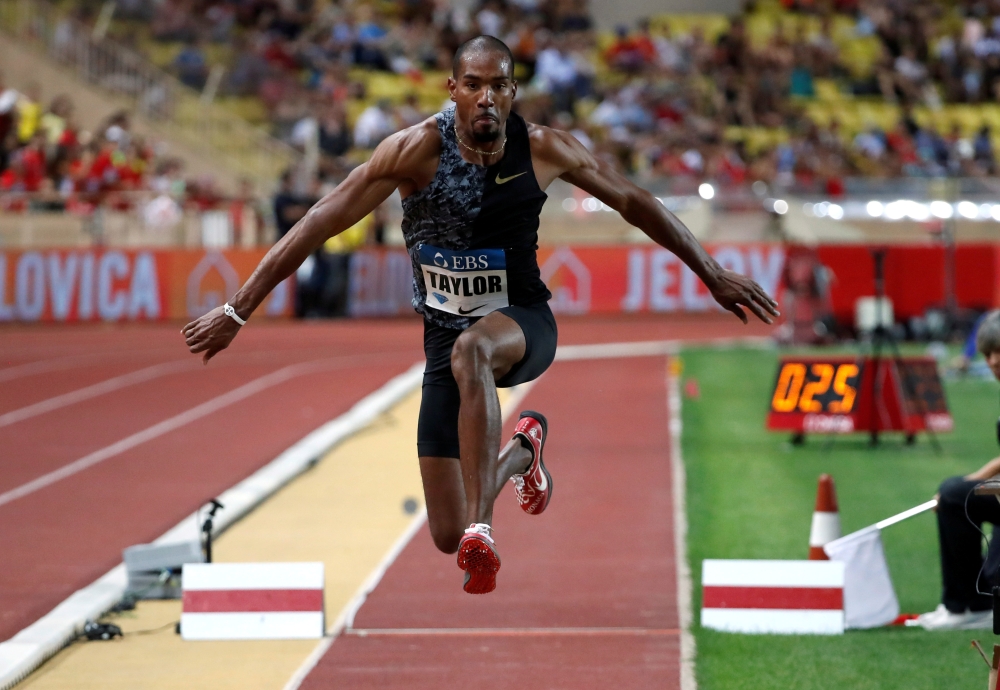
{"points": [[844, 395], [870, 393]]}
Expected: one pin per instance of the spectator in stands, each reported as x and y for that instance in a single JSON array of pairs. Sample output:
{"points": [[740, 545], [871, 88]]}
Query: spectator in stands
{"points": [[572, 15], [409, 112], [631, 53], [982, 147], [555, 72], [56, 122], [490, 19], [29, 112], [374, 125], [221, 18], [334, 134], [289, 207], [169, 179], [118, 129], [248, 71], [174, 20], [8, 121], [670, 54], [367, 47], [191, 66]]}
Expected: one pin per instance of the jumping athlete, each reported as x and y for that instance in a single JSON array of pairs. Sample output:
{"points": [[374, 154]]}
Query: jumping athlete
{"points": [[472, 181]]}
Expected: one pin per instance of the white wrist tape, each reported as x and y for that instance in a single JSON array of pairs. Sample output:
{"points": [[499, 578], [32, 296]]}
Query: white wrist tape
{"points": [[231, 313]]}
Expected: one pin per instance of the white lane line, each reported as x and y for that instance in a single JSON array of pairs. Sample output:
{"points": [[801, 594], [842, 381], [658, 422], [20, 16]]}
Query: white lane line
{"points": [[46, 366], [173, 423], [506, 632], [650, 348], [24, 652], [679, 485], [346, 616], [92, 391], [345, 620]]}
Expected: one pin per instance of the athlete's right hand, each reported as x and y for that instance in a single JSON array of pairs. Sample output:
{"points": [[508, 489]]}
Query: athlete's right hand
{"points": [[210, 333]]}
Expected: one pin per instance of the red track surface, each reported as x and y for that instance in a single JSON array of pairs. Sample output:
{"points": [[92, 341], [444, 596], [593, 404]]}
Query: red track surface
{"points": [[64, 536], [600, 558]]}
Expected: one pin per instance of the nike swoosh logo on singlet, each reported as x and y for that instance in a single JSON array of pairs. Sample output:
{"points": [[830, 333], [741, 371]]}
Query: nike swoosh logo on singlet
{"points": [[502, 180], [464, 312]]}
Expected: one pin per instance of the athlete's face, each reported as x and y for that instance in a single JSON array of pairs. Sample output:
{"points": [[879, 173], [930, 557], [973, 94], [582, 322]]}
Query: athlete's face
{"points": [[483, 92]]}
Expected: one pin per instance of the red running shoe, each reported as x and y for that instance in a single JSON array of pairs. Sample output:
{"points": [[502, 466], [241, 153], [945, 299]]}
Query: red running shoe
{"points": [[534, 487], [478, 557]]}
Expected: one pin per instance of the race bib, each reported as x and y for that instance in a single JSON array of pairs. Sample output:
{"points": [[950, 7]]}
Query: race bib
{"points": [[466, 283]]}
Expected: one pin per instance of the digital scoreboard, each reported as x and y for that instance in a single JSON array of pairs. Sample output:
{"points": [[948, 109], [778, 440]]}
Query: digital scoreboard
{"points": [[846, 394]]}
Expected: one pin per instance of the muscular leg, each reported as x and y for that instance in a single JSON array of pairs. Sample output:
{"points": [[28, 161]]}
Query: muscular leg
{"points": [[483, 354], [444, 495]]}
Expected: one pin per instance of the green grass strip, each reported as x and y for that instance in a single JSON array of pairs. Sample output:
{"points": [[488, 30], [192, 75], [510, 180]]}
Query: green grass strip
{"points": [[750, 494]]}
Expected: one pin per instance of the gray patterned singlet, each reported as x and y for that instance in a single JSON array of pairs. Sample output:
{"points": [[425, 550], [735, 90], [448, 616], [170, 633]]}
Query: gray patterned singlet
{"points": [[464, 208]]}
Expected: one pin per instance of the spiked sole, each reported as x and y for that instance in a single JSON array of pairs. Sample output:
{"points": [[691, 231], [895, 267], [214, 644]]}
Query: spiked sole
{"points": [[480, 563]]}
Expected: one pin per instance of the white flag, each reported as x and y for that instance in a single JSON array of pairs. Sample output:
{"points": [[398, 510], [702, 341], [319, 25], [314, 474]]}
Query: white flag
{"points": [[869, 599]]}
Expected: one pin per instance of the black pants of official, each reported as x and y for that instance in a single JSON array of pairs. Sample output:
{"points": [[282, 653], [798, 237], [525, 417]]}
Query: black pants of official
{"points": [[962, 546]]}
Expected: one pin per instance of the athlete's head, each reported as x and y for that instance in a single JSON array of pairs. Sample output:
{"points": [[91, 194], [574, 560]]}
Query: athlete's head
{"points": [[482, 86]]}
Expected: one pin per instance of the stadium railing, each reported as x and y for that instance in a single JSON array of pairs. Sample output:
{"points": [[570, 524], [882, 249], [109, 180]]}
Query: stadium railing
{"points": [[130, 219], [908, 210]]}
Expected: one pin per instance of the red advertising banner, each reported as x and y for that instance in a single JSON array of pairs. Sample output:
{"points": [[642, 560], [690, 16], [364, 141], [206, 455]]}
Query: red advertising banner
{"points": [[66, 285], [648, 278], [914, 277], [583, 280]]}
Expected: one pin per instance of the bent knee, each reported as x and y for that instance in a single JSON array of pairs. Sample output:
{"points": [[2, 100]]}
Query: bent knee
{"points": [[471, 354], [954, 491]]}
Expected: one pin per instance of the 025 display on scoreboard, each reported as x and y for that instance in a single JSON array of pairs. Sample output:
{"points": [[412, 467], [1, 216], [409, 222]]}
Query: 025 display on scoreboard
{"points": [[851, 394]]}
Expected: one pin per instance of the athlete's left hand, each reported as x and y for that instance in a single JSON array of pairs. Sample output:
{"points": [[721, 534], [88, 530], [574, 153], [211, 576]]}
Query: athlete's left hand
{"points": [[732, 290]]}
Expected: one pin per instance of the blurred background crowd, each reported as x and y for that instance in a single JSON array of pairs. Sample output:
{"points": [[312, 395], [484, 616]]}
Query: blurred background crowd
{"points": [[800, 94]]}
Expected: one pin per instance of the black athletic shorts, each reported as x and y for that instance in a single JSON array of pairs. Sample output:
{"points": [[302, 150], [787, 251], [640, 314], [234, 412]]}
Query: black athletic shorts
{"points": [[437, 428]]}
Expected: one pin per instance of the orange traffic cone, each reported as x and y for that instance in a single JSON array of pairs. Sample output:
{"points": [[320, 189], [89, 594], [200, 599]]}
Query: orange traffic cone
{"points": [[826, 519]]}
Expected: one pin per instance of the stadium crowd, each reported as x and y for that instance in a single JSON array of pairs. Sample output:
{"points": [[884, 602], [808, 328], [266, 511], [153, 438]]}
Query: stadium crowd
{"points": [[652, 101], [689, 105], [48, 162]]}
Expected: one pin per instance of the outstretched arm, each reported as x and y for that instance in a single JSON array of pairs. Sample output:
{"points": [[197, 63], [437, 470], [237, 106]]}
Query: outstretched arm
{"points": [[365, 188], [563, 156]]}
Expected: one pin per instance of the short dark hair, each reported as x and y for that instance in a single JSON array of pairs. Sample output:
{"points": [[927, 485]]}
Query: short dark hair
{"points": [[988, 336], [482, 44]]}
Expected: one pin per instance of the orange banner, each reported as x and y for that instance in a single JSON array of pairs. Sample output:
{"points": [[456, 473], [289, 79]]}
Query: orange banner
{"points": [[65, 285]]}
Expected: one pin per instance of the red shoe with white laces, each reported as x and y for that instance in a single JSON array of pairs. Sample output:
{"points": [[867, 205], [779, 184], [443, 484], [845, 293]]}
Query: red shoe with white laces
{"points": [[534, 487], [478, 557]]}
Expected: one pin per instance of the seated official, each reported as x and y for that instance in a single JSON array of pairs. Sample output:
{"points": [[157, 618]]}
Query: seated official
{"points": [[963, 573]]}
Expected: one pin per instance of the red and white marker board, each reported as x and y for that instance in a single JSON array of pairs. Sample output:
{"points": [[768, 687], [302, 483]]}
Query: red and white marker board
{"points": [[252, 601], [798, 597]]}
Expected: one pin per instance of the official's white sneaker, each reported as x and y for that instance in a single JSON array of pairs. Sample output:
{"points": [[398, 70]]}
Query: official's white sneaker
{"points": [[943, 619]]}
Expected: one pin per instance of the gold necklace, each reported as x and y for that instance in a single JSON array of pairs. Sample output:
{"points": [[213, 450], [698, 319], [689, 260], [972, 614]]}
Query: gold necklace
{"points": [[481, 153]]}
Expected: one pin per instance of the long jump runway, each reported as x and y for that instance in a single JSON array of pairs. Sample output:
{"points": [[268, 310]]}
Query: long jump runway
{"points": [[587, 591]]}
